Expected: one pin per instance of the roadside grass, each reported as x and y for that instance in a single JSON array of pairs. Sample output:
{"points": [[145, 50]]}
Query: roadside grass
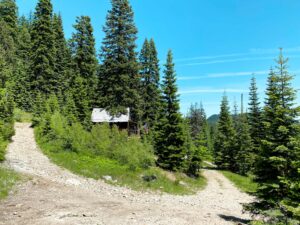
{"points": [[3, 145], [244, 183], [96, 167], [7, 180], [7, 177], [21, 116]]}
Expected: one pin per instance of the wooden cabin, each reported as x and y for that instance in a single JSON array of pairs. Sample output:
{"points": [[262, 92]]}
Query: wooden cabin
{"points": [[122, 121]]}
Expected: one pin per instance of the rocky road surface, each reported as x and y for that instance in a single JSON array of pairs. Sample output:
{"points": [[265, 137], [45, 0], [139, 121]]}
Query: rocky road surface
{"points": [[54, 196]]}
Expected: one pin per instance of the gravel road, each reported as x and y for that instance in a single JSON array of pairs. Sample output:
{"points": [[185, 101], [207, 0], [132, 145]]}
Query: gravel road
{"points": [[55, 196]]}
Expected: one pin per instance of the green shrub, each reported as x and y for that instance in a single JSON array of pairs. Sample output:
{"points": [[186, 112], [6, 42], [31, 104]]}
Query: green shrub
{"points": [[6, 130], [100, 141], [106, 151], [6, 120], [3, 145]]}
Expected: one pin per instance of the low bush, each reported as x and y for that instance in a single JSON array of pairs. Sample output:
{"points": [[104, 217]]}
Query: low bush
{"points": [[3, 145], [100, 141], [105, 151], [6, 132], [6, 121]]}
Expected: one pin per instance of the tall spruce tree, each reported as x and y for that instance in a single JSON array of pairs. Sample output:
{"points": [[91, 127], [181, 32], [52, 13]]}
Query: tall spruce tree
{"points": [[197, 119], [81, 100], [43, 49], [119, 79], [9, 14], [62, 56], [199, 129], [169, 141], [24, 40], [21, 84], [84, 56], [225, 148], [235, 115], [7, 56], [255, 116], [5, 69], [192, 163], [291, 203], [39, 108], [69, 109], [277, 166], [244, 157], [7, 43], [150, 88]]}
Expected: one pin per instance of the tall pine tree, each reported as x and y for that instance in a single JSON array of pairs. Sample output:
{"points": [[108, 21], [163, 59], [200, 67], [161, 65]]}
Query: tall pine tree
{"points": [[199, 128], [5, 69], [244, 157], [84, 56], [119, 79], [169, 142], [225, 147], [7, 43], [80, 97], [197, 119], [21, 85], [277, 166], [43, 50], [255, 116], [150, 88], [62, 56], [9, 14]]}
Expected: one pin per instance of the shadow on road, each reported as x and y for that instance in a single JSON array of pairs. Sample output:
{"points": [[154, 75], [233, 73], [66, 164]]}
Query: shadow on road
{"points": [[234, 219]]}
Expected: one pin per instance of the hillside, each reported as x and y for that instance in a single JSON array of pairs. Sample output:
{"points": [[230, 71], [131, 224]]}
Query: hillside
{"points": [[213, 119]]}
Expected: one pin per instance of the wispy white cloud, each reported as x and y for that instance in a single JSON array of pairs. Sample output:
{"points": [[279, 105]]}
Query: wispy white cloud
{"points": [[252, 55], [274, 50], [235, 60], [229, 61], [230, 74], [211, 57], [238, 74], [200, 90], [226, 74]]}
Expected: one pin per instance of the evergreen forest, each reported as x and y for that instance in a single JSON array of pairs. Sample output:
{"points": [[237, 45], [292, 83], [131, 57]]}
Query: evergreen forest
{"points": [[60, 81]]}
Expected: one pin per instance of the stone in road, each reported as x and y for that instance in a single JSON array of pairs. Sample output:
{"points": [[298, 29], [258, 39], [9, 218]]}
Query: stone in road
{"points": [[56, 196]]}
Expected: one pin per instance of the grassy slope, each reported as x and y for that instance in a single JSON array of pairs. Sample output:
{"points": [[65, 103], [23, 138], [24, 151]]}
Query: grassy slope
{"points": [[96, 167], [7, 180], [245, 184]]}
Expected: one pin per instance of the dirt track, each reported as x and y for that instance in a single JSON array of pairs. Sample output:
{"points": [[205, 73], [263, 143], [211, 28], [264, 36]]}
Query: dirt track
{"points": [[56, 196]]}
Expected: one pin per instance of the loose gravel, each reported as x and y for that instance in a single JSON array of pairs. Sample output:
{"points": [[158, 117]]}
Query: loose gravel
{"points": [[54, 196]]}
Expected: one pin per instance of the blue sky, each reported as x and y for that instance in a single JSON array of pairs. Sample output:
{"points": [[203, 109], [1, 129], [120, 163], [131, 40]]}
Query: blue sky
{"points": [[217, 44]]}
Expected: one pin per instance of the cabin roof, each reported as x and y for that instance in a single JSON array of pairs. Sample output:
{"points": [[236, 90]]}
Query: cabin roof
{"points": [[100, 115]]}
